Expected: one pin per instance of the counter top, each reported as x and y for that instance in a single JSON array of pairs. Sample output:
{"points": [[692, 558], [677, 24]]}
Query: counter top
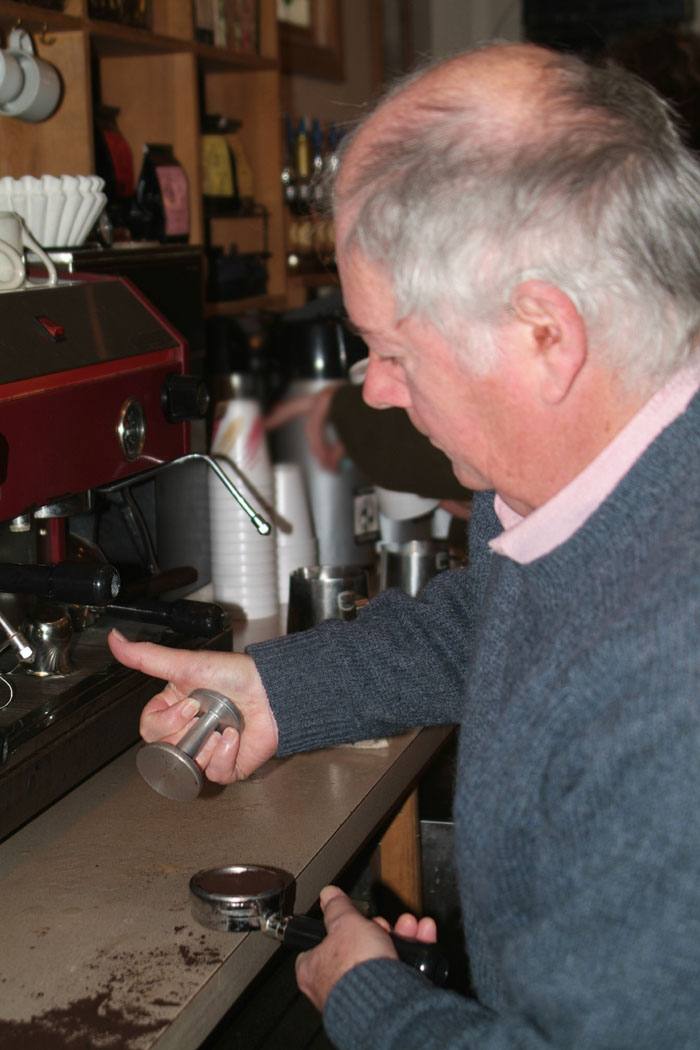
{"points": [[97, 946]]}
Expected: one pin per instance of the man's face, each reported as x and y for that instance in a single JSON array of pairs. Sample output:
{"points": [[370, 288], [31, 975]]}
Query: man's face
{"points": [[478, 421]]}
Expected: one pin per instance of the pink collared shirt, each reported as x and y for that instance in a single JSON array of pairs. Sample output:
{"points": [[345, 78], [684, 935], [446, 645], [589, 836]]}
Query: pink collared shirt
{"points": [[526, 538]]}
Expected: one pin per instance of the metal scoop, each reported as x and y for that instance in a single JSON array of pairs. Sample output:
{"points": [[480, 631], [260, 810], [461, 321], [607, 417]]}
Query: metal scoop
{"points": [[247, 897]]}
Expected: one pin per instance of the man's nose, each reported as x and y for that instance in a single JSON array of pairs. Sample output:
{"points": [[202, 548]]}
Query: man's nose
{"points": [[382, 388]]}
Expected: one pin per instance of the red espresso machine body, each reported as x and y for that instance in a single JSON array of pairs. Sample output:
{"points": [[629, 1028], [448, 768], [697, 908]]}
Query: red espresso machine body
{"points": [[94, 397], [83, 372]]}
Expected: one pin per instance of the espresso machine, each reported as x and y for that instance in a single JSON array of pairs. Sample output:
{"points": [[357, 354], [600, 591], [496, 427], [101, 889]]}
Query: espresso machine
{"points": [[103, 523]]}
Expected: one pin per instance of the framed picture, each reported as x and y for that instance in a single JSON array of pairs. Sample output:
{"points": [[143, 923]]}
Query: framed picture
{"points": [[295, 13], [310, 41]]}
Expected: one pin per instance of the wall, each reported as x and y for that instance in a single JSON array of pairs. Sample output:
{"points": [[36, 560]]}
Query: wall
{"points": [[338, 101], [438, 27], [441, 27]]}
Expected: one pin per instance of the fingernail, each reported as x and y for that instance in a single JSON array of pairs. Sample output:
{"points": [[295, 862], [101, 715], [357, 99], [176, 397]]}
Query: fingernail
{"points": [[324, 894], [191, 707], [118, 635], [229, 736]]}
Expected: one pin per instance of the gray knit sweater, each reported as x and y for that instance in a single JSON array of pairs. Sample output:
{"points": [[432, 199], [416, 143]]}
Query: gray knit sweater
{"points": [[576, 680]]}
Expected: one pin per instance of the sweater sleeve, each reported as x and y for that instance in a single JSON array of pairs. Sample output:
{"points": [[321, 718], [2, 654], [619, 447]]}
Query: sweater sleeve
{"points": [[400, 665], [606, 951]]}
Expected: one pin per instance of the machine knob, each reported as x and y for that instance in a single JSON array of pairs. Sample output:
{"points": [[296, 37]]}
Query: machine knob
{"points": [[184, 398], [170, 769]]}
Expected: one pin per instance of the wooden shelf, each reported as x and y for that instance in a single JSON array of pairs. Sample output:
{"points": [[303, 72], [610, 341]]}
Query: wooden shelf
{"points": [[108, 38], [160, 79], [222, 60], [35, 18]]}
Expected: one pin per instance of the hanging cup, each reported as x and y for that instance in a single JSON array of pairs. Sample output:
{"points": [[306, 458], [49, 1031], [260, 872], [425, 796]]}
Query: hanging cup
{"points": [[14, 237], [40, 86]]}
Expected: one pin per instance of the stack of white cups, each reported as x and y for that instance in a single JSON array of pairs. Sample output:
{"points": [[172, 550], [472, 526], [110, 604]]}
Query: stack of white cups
{"points": [[244, 568], [296, 543]]}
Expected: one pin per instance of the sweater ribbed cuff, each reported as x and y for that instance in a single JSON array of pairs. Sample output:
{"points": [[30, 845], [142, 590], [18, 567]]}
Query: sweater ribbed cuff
{"points": [[380, 988]]}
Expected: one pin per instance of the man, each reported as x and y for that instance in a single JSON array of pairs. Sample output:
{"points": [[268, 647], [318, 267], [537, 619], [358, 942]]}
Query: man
{"points": [[519, 244]]}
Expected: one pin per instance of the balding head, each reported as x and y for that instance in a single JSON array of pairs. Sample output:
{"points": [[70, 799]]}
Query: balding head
{"points": [[511, 162], [496, 85]]}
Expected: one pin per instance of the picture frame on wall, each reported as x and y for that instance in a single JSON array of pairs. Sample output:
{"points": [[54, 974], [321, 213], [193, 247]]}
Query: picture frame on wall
{"points": [[295, 13]]}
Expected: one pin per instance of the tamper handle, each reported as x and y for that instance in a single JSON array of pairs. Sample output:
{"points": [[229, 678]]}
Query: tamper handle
{"points": [[171, 769], [198, 734], [217, 710]]}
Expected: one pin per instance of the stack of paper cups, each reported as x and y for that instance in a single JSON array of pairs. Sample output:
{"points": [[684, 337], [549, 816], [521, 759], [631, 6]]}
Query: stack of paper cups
{"points": [[244, 567], [296, 543]]}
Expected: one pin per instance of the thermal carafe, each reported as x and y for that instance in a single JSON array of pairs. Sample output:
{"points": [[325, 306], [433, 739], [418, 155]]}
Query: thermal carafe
{"points": [[312, 354]]}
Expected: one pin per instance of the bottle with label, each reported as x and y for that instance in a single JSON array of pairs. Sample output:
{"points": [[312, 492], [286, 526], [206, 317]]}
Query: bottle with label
{"points": [[244, 173], [220, 189], [113, 163], [302, 158], [289, 175], [334, 138], [162, 197], [317, 147]]}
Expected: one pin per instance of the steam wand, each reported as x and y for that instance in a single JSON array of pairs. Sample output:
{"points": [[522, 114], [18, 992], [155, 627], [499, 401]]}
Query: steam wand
{"points": [[17, 640], [261, 525]]}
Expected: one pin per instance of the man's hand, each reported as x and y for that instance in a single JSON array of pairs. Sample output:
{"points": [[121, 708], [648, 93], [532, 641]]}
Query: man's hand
{"points": [[169, 714], [350, 940]]}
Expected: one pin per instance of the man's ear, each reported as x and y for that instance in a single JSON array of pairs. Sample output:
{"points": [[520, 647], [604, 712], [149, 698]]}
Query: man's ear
{"points": [[554, 333]]}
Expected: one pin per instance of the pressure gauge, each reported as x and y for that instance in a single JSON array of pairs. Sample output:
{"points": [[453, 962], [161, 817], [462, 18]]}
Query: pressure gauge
{"points": [[131, 429]]}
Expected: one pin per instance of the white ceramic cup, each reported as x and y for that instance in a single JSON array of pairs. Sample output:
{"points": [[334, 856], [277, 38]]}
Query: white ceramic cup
{"points": [[14, 237], [402, 505], [40, 90], [11, 78]]}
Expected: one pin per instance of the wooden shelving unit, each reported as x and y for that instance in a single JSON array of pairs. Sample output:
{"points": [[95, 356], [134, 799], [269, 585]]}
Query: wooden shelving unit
{"points": [[155, 77]]}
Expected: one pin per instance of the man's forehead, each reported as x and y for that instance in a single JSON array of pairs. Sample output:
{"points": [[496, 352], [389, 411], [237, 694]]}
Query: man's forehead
{"points": [[501, 82]]}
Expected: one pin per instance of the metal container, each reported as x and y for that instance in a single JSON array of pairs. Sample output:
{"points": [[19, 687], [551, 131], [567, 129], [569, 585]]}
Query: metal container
{"points": [[410, 565], [325, 592]]}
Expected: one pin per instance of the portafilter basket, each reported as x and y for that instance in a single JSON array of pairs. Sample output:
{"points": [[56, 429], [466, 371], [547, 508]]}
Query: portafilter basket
{"points": [[246, 897]]}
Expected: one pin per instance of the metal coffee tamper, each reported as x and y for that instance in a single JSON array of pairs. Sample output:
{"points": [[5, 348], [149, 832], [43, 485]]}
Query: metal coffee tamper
{"points": [[170, 768]]}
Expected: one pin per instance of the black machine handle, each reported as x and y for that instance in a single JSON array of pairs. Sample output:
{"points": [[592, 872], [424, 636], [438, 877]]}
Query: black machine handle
{"points": [[200, 619], [301, 933], [64, 581]]}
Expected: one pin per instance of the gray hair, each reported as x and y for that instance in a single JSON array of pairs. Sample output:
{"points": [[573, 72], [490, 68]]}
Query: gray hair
{"points": [[603, 202]]}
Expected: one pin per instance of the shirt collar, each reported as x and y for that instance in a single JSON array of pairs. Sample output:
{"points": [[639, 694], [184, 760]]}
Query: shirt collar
{"points": [[526, 538]]}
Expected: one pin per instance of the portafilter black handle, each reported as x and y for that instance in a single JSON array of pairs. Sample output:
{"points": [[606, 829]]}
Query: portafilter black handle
{"points": [[184, 615], [300, 933], [76, 583]]}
